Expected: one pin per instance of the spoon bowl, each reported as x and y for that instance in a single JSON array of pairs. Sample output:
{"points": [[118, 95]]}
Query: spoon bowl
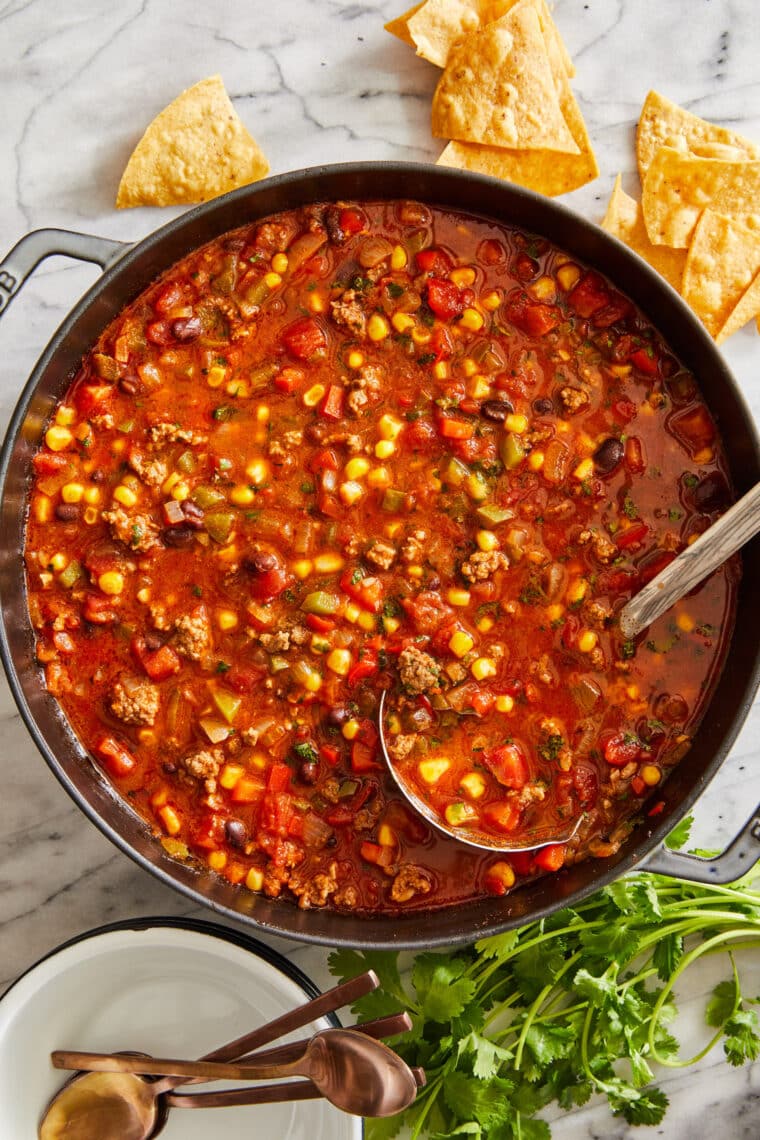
{"points": [[109, 1106]]}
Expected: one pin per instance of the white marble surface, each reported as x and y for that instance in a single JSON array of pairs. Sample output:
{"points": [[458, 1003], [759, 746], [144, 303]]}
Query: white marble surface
{"points": [[315, 81]]}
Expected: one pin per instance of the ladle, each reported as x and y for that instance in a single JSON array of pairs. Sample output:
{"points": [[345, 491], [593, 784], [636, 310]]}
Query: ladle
{"points": [[124, 1106], [529, 839], [355, 1073]]}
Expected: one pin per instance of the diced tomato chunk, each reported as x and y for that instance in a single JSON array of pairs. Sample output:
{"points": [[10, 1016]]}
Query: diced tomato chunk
{"points": [[288, 380], [533, 317], [330, 754], [632, 535], [455, 429], [522, 862], [444, 298], [116, 759], [304, 338], [159, 663], [504, 815], [98, 609], [270, 583], [92, 399], [621, 749], [624, 410], [508, 764], [170, 297], [646, 360], [364, 757], [586, 783], [433, 261], [365, 667], [352, 221], [367, 590], [160, 333], [332, 408], [276, 812], [634, 455], [278, 778], [377, 854], [551, 857], [589, 295]]}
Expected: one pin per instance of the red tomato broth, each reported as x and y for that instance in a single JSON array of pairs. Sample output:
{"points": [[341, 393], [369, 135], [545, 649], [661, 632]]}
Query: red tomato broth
{"points": [[219, 640]]}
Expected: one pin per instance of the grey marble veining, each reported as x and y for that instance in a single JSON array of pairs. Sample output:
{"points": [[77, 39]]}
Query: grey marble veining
{"points": [[315, 81]]}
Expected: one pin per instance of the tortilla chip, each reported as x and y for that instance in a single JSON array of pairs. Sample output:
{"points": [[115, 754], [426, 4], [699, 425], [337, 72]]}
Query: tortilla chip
{"points": [[624, 220], [494, 9], [399, 26], [722, 262], [438, 24], [747, 307], [195, 149], [678, 187], [662, 123], [498, 89]]}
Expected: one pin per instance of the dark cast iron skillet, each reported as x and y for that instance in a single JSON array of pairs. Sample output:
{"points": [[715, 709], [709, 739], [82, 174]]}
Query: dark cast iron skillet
{"points": [[128, 269]]}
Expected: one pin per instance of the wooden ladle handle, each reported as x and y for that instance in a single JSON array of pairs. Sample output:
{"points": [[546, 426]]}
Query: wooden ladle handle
{"points": [[738, 525]]}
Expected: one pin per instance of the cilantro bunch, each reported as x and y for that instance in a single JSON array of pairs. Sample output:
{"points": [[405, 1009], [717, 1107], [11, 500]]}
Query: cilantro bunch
{"points": [[563, 1008]]}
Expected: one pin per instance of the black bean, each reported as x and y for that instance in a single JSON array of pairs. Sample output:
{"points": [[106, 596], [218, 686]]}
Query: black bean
{"points": [[337, 716], [185, 329], [543, 406], [235, 833], [496, 410], [153, 642], [178, 536], [711, 494], [608, 455], [67, 512], [169, 768], [308, 772]]}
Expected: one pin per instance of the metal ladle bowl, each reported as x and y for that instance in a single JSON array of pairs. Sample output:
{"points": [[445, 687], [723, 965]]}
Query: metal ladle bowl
{"points": [[530, 839]]}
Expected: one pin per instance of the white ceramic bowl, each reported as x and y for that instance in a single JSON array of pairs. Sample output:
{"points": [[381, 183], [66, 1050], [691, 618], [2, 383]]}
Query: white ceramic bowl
{"points": [[163, 988]]}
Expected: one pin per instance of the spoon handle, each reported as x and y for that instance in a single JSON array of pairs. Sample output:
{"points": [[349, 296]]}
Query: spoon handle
{"points": [[738, 525], [380, 1027], [262, 1094], [168, 1066]]}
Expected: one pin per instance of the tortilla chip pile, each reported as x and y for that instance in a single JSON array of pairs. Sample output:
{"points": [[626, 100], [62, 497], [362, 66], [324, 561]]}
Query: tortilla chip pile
{"points": [[196, 149], [698, 222], [504, 97]]}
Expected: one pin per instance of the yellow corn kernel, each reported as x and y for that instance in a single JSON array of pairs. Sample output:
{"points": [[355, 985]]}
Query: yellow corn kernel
{"points": [[457, 596], [504, 873], [329, 563], [230, 774], [460, 643], [386, 836], [441, 370], [402, 322], [471, 319], [272, 280], [313, 682], [316, 302], [227, 553], [414, 571], [463, 277], [685, 622], [242, 495], [385, 448], [216, 375], [91, 516], [692, 538], [91, 495], [398, 257], [170, 821], [260, 760], [238, 389], [576, 591], [421, 335], [379, 477], [43, 508], [584, 470], [111, 582], [388, 427], [118, 445], [391, 529], [351, 612], [390, 624], [587, 640], [483, 667], [339, 661], [431, 770], [567, 276], [366, 621], [516, 423], [704, 456], [555, 611], [357, 467], [487, 540], [473, 784], [350, 492], [46, 581], [226, 619], [263, 413], [479, 388], [257, 472], [350, 729], [491, 301], [621, 370], [58, 562], [393, 724], [254, 880], [58, 438], [544, 289], [72, 492], [147, 737], [65, 416], [484, 624], [633, 692], [180, 492], [468, 366], [650, 775], [144, 595], [280, 262], [459, 814], [355, 359], [377, 327], [536, 460], [217, 860], [504, 703], [585, 444], [313, 395], [170, 482]]}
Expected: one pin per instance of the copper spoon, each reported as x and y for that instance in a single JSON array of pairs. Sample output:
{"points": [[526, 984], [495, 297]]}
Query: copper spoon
{"points": [[528, 840], [355, 1073], [261, 1094], [738, 525], [124, 1106]]}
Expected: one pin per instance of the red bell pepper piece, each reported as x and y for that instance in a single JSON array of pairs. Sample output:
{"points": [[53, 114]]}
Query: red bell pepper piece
{"points": [[632, 536], [158, 664], [646, 360], [278, 778], [288, 379], [330, 754], [332, 408], [276, 812], [550, 858], [455, 429], [367, 666], [320, 624], [502, 815], [508, 764], [634, 455], [116, 759]]}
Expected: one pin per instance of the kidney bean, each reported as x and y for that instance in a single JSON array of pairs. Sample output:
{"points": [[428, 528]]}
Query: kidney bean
{"points": [[235, 833], [543, 406], [185, 329], [337, 716], [608, 455], [67, 512], [308, 772], [496, 410], [193, 514], [261, 563]]}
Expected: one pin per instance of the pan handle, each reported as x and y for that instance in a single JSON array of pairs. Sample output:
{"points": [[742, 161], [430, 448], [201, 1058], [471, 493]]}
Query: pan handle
{"points": [[26, 255], [738, 858]]}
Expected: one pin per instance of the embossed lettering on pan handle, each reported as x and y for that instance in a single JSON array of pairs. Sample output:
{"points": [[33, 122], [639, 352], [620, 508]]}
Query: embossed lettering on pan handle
{"points": [[738, 858], [26, 255]]}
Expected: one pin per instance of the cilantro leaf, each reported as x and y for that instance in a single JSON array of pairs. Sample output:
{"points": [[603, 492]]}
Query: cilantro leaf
{"points": [[667, 954], [636, 896], [442, 991], [679, 836], [648, 1108], [487, 1056], [498, 945], [722, 1004], [472, 1099], [742, 1041]]}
